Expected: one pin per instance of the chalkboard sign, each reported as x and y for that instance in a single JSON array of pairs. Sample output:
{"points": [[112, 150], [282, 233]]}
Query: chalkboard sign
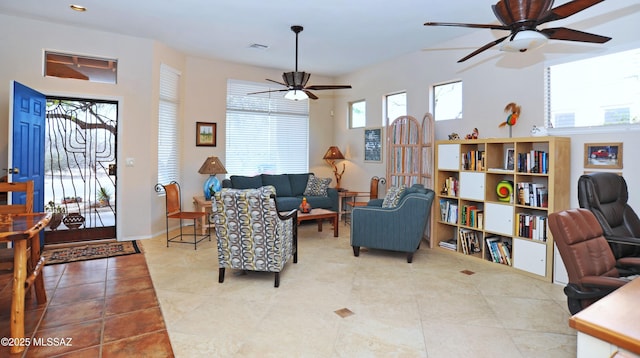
{"points": [[373, 145]]}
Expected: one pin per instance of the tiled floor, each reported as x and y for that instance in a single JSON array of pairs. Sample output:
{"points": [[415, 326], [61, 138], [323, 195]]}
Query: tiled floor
{"points": [[107, 307], [330, 304]]}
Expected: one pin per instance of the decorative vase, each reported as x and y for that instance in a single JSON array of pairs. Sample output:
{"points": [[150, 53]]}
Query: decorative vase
{"points": [[305, 207], [56, 220], [504, 189], [73, 220]]}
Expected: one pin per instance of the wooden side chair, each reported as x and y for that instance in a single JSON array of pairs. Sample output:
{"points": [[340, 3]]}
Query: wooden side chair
{"points": [[373, 193], [174, 211]]}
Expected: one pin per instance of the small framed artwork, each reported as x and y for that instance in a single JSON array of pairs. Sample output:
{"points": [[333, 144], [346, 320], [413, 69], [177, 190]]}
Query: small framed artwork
{"points": [[603, 155], [373, 145], [509, 163], [205, 134]]}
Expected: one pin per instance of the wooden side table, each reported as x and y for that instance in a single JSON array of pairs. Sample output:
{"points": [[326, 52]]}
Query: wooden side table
{"points": [[344, 196], [203, 205]]}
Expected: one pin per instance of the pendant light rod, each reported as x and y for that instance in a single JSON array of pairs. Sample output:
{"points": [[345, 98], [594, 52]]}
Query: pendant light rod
{"points": [[297, 29]]}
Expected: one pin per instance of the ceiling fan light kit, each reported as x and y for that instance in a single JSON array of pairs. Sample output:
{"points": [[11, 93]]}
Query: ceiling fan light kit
{"points": [[522, 17], [523, 41], [296, 95], [296, 81]]}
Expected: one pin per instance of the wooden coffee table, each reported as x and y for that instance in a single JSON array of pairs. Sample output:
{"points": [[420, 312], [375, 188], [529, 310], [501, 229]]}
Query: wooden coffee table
{"points": [[320, 215]]}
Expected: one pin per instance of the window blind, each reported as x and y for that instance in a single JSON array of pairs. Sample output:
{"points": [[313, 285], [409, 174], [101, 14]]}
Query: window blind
{"points": [[168, 130], [265, 133]]}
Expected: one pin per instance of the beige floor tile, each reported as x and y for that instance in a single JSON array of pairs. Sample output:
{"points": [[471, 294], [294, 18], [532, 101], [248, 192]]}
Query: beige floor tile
{"points": [[428, 308]]}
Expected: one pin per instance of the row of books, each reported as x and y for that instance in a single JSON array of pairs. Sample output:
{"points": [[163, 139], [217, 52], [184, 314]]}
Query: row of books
{"points": [[448, 211], [532, 194], [535, 161], [470, 241], [532, 226], [473, 160], [471, 216], [451, 244], [450, 187], [499, 249]]}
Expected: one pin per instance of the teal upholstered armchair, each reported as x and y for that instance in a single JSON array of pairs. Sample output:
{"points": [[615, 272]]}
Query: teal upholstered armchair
{"points": [[397, 227], [252, 235]]}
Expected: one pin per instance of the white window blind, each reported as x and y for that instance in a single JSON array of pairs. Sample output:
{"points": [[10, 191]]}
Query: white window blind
{"points": [[168, 133], [266, 133]]}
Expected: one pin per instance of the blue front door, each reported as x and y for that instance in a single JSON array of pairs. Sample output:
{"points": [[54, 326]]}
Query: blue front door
{"points": [[26, 145]]}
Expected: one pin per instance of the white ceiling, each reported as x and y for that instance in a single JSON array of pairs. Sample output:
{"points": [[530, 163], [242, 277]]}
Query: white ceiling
{"points": [[339, 36]]}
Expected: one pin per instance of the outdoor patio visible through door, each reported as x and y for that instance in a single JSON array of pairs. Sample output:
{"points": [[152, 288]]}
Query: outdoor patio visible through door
{"points": [[80, 169]]}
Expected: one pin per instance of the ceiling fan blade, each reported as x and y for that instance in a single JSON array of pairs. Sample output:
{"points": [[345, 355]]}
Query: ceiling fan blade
{"points": [[567, 10], [326, 87], [563, 33], [311, 95], [280, 90], [510, 12], [483, 48], [280, 83], [476, 26]]}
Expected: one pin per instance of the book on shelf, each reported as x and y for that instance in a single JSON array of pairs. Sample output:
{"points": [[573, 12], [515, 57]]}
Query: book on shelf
{"points": [[499, 249], [470, 241], [451, 244]]}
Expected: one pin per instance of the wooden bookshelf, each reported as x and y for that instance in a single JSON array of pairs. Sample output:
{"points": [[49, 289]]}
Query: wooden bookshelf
{"points": [[510, 230]]}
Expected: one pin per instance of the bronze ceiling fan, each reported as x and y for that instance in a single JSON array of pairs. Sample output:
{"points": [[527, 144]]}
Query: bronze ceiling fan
{"points": [[296, 82], [522, 17]]}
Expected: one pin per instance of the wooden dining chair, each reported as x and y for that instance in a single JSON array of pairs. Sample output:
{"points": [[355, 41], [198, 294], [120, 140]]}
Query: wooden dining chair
{"points": [[35, 261]]}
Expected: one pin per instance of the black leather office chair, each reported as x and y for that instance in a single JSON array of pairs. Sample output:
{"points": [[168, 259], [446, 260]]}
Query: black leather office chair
{"points": [[606, 195], [592, 268]]}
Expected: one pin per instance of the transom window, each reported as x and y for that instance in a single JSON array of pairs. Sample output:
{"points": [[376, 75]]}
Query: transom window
{"points": [[447, 101], [395, 106], [357, 114], [594, 92]]}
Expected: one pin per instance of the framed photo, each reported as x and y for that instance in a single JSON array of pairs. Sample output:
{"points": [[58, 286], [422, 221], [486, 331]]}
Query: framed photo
{"points": [[603, 155], [205, 134], [509, 161], [373, 145]]}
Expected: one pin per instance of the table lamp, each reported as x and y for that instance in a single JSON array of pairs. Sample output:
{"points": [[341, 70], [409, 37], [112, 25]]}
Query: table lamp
{"points": [[212, 166], [333, 154]]}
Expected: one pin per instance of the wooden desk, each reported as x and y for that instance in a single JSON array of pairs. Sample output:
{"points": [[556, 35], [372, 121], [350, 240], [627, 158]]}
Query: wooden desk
{"points": [[203, 205], [613, 321], [18, 228]]}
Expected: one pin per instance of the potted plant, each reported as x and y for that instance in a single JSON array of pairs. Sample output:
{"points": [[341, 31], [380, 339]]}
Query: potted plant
{"points": [[104, 196], [57, 213]]}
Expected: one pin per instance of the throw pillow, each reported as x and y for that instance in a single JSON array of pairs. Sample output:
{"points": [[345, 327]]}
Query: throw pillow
{"points": [[393, 196], [317, 186]]}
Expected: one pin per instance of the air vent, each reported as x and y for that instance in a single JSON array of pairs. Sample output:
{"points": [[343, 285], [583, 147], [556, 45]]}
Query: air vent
{"points": [[259, 46]]}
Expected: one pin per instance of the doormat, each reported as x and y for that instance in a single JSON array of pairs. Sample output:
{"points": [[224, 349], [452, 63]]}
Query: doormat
{"points": [[91, 251]]}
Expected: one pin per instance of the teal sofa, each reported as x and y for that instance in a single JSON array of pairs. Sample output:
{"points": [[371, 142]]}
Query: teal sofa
{"points": [[397, 228], [289, 190]]}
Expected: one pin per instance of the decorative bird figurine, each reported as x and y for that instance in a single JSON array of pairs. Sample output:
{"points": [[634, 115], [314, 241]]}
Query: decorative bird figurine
{"points": [[513, 117]]}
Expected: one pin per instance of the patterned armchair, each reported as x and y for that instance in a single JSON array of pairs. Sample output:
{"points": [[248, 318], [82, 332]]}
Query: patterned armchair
{"points": [[394, 227], [252, 235]]}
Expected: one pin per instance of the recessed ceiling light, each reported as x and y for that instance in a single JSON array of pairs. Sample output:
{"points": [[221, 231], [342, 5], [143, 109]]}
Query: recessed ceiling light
{"points": [[79, 8]]}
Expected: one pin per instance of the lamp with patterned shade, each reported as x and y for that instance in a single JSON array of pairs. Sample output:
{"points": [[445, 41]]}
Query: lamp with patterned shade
{"points": [[333, 154], [212, 166]]}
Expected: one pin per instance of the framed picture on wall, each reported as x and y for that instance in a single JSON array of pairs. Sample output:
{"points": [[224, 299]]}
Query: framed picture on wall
{"points": [[373, 145], [205, 134], [603, 155]]}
